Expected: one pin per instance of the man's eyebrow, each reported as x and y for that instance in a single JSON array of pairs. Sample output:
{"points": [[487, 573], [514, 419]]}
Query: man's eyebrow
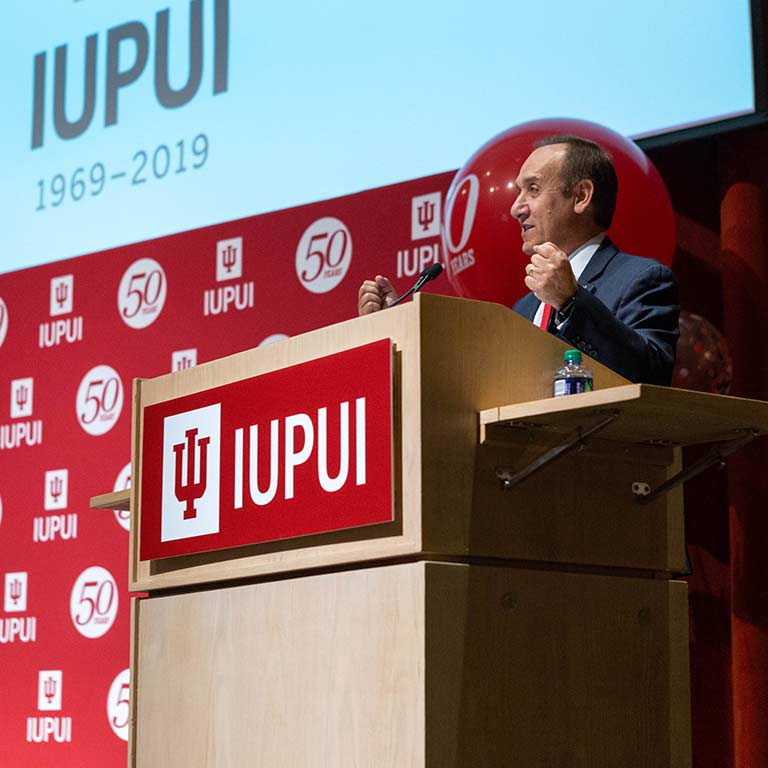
{"points": [[529, 179]]}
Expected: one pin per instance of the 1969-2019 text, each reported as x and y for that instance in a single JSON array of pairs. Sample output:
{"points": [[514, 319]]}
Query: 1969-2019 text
{"points": [[145, 166]]}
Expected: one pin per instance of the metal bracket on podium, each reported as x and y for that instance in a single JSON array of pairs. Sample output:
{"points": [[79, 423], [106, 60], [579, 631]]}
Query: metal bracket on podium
{"points": [[509, 478], [717, 455]]}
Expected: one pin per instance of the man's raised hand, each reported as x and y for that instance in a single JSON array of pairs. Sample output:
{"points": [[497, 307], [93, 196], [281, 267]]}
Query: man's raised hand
{"points": [[549, 275], [374, 295]]}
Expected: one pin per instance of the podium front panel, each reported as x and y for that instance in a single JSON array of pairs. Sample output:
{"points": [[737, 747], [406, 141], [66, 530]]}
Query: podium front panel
{"points": [[412, 665]]}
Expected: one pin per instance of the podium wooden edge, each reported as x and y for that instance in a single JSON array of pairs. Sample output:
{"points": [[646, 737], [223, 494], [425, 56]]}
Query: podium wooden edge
{"points": [[133, 655], [137, 418], [116, 500], [680, 676]]}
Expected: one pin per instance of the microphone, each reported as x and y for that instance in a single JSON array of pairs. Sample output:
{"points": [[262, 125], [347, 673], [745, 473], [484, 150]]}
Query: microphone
{"points": [[427, 274]]}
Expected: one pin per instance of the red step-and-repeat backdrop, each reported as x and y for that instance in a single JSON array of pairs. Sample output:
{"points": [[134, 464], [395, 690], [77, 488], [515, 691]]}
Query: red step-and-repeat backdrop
{"points": [[73, 335]]}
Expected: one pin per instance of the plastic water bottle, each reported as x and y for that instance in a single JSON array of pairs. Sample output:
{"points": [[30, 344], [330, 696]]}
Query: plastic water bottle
{"points": [[573, 377]]}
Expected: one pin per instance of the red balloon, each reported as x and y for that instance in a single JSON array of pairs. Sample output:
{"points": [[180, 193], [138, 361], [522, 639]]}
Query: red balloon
{"points": [[481, 239]]}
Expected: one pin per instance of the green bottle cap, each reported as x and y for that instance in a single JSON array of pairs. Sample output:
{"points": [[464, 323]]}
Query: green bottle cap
{"points": [[573, 356]]}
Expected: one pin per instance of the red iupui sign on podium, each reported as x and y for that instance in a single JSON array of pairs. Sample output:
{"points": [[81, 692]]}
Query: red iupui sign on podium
{"points": [[299, 451]]}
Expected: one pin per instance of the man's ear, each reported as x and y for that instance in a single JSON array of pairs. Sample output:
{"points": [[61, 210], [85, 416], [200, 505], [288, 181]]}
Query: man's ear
{"points": [[582, 195]]}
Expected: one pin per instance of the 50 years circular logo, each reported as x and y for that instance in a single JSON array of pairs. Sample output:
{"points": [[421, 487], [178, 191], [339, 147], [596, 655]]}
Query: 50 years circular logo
{"points": [[3, 321], [122, 483], [93, 602], [323, 255], [99, 400], [141, 295], [119, 704]]}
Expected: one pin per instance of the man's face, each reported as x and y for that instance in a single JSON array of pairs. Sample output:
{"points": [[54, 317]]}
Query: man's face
{"points": [[544, 212]]}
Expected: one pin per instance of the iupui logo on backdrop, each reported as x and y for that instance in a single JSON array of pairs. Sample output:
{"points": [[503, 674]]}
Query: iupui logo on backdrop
{"points": [[141, 294], [22, 397], [27, 432], [229, 266], [460, 212], [17, 629], [62, 289], [62, 330], [99, 400], [15, 597], [323, 254], [425, 223], [3, 320], [182, 359], [229, 259], [49, 690], [299, 451], [52, 527], [56, 489], [425, 216], [49, 728]]}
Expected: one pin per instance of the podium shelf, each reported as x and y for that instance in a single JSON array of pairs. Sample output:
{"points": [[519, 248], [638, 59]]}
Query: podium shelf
{"points": [[116, 500], [646, 414]]}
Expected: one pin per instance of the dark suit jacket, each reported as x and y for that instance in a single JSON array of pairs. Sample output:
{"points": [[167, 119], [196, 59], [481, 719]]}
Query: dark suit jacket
{"points": [[625, 315]]}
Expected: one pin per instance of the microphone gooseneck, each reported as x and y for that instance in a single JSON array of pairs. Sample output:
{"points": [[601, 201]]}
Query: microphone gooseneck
{"points": [[427, 274]]}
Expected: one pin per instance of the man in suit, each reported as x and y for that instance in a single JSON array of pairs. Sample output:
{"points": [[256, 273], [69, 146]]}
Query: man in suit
{"points": [[619, 309]]}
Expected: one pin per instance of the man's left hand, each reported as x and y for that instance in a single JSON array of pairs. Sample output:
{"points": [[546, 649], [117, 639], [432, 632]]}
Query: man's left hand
{"points": [[549, 275]]}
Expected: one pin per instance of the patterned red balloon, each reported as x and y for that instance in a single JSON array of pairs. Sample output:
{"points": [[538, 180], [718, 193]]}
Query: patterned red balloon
{"points": [[481, 240], [703, 360]]}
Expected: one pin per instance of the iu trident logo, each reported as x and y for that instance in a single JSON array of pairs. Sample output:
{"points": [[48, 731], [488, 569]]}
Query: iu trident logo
{"points": [[62, 288], [15, 591], [229, 259], [425, 216], [61, 294], [187, 490], [21, 398], [49, 685], [49, 688], [15, 600], [191, 461]]}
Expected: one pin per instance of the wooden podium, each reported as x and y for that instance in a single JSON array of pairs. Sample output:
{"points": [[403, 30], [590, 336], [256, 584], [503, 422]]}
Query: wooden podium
{"points": [[521, 608]]}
